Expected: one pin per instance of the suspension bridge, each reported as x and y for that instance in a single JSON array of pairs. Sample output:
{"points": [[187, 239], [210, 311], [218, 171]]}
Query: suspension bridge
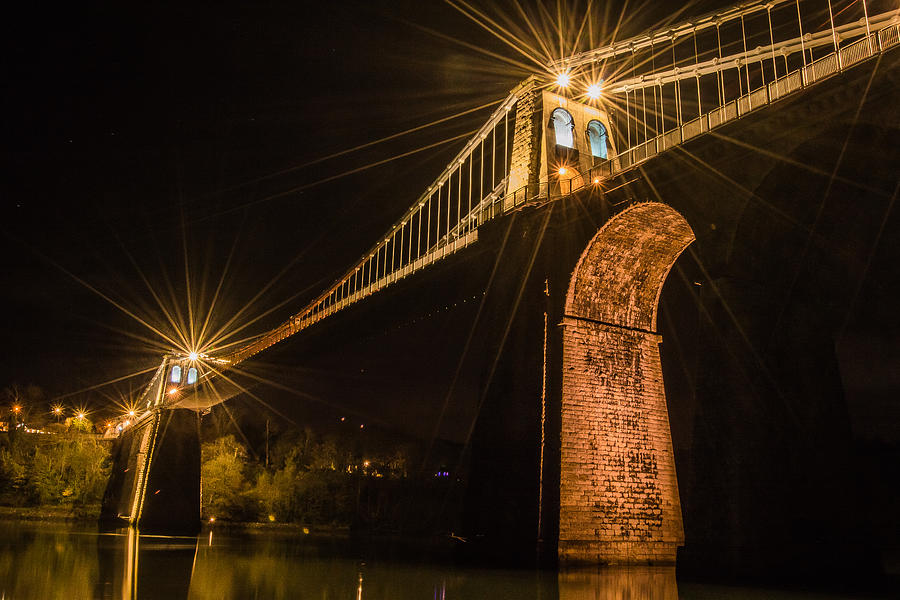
{"points": [[589, 127]]}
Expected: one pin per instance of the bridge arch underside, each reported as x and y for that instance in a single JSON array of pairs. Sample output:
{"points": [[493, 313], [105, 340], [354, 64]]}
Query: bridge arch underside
{"points": [[619, 500]]}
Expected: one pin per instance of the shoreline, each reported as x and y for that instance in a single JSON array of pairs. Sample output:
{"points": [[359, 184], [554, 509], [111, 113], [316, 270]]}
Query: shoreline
{"points": [[91, 514], [51, 514]]}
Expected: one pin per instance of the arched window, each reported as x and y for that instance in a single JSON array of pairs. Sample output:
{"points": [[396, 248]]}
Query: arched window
{"points": [[596, 133], [175, 377], [563, 124], [192, 376]]}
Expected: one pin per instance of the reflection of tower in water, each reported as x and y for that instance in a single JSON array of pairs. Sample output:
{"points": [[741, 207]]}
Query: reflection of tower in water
{"points": [[133, 566], [614, 583]]}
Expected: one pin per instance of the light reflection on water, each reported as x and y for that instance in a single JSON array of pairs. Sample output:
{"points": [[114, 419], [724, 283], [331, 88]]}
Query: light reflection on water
{"points": [[49, 561]]}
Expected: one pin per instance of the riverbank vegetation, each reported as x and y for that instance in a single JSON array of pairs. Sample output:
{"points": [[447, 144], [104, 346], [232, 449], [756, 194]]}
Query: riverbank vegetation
{"points": [[63, 471], [345, 476], [318, 480]]}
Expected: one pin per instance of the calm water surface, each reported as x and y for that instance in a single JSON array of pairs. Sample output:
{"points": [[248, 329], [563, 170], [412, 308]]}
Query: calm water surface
{"points": [[49, 561]]}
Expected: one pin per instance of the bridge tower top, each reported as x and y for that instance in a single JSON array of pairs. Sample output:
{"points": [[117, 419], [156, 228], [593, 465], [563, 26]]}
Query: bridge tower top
{"points": [[557, 139]]}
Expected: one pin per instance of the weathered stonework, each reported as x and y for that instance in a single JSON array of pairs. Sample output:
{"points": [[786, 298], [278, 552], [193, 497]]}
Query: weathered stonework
{"points": [[578, 160], [534, 161], [619, 494], [619, 499], [526, 145]]}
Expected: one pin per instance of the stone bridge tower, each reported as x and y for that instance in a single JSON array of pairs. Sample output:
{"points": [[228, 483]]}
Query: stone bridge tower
{"points": [[618, 492]]}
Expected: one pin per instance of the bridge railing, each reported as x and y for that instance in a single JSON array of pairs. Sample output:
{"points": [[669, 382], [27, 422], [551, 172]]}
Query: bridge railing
{"points": [[889, 36]]}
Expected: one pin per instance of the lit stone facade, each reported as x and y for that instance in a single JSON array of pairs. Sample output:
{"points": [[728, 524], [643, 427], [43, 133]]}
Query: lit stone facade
{"points": [[526, 145], [536, 157], [619, 499]]}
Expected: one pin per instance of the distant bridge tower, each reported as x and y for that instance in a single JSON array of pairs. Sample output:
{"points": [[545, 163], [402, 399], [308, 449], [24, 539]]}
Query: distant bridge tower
{"points": [[155, 481]]}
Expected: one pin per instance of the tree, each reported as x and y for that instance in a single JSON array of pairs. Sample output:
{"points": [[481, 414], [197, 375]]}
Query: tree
{"points": [[68, 469], [80, 423], [223, 482]]}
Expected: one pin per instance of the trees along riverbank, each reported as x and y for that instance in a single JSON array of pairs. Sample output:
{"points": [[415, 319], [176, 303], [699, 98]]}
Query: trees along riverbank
{"points": [[62, 474], [320, 481], [306, 479]]}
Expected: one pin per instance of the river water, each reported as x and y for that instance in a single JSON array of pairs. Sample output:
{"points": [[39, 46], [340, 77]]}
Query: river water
{"points": [[55, 560]]}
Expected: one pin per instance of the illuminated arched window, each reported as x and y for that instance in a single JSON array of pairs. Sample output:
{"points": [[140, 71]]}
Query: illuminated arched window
{"points": [[192, 376], [563, 124], [596, 133], [175, 377]]}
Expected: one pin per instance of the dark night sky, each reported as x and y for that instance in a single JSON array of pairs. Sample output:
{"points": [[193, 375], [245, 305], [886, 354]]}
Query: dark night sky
{"points": [[134, 132]]}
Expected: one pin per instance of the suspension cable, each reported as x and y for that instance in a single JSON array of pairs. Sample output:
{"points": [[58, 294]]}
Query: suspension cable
{"points": [[868, 32], [720, 75], [747, 66], [772, 43], [802, 47], [697, 62]]}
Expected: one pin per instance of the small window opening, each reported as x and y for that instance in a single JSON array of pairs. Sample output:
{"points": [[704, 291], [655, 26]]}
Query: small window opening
{"points": [[597, 136], [563, 125]]}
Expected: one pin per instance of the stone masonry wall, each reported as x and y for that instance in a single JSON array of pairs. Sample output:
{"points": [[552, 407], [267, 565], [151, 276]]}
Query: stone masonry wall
{"points": [[618, 490], [619, 499], [526, 145]]}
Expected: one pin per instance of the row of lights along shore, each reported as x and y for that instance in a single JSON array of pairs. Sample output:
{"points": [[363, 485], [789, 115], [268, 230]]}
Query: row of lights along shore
{"points": [[56, 410], [594, 90]]}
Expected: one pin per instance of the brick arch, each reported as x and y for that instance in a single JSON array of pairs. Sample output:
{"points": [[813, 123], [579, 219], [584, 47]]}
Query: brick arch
{"points": [[620, 274], [619, 498]]}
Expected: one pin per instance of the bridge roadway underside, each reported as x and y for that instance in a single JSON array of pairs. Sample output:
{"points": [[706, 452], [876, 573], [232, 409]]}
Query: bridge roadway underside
{"points": [[757, 321]]}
